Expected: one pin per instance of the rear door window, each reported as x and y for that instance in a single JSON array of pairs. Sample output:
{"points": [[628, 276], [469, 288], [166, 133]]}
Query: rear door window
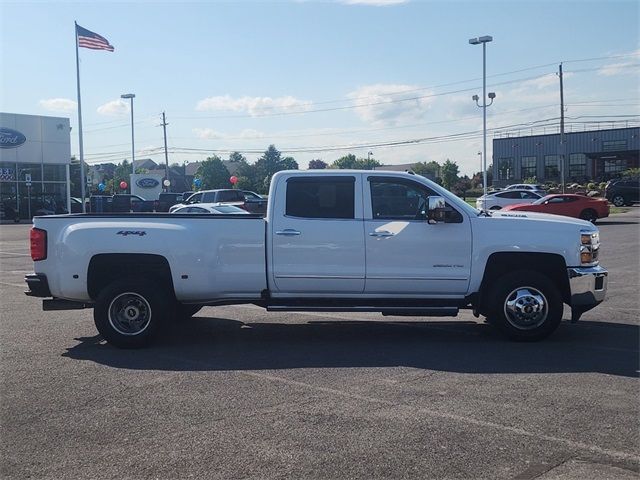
{"points": [[321, 197]]}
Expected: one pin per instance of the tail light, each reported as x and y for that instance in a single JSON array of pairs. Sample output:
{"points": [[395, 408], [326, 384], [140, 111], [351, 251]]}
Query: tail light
{"points": [[38, 241]]}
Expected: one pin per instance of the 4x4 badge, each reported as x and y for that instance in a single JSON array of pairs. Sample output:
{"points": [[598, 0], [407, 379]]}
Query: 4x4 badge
{"points": [[125, 233]]}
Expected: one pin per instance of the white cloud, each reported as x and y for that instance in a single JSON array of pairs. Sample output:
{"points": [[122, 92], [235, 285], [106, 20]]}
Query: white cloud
{"points": [[390, 104], [253, 105], [211, 134], [620, 68], [114, 108], [59, 104], [374, 3]]}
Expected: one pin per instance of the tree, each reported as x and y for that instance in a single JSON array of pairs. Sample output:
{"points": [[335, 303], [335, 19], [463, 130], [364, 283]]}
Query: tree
{"points": [[430, 169], [213, 174], [346, 162], [317, 164], [350, 161], [461, 186], [122, 173], [269, 163], [449, 173], [237, 157]]}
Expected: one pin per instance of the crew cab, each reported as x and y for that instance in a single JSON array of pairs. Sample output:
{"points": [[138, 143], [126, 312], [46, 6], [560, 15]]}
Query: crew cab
{"points": [[332, 240]]}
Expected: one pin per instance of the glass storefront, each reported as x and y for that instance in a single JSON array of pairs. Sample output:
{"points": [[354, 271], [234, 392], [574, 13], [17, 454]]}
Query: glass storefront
{"points": [[45, 194]]}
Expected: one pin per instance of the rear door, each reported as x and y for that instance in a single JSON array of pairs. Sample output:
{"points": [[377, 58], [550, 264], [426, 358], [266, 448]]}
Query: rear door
{"points": [[317, 242]]}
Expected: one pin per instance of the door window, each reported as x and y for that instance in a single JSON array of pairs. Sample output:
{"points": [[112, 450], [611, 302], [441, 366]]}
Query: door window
{"points": [[196, 198], [321, 197], [395, 199]]}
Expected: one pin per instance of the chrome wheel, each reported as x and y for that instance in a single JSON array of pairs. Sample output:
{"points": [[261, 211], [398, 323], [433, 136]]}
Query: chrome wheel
{"points": [[129, 313], [526, 308]]}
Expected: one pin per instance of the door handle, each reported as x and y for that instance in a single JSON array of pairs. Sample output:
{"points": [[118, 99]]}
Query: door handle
{"points": [[288, 232], [383, 233]]}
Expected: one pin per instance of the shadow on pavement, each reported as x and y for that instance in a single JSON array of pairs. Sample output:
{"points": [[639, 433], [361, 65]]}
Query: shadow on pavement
{"points": [[209, 344]]}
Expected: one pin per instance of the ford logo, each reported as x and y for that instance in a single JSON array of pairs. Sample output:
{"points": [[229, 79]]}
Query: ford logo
{"points": [[10, 138], [147, 183]]}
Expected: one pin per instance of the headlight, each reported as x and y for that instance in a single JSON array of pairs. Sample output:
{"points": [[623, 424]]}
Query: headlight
{"points": [[589, 247]]}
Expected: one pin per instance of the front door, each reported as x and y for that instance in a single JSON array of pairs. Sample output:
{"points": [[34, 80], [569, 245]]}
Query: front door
{"points": [[317, 239], [407, 255]]}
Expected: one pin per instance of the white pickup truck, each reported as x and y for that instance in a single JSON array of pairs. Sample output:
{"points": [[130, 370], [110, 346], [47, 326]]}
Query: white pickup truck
{"points": [[332, 240]]}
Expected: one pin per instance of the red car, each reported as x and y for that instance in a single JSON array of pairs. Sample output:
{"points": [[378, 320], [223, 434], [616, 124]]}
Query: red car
{"points": [[569, 205]]}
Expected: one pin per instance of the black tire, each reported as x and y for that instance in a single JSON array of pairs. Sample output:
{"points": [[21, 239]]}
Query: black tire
{"points": [[618, 200], [525, 305], [589, 215], [130, 313], [186, 311]]}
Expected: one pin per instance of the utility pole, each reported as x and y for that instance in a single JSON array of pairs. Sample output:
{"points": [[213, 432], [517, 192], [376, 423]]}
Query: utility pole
{"points": [[166, 153], [562, 140]]}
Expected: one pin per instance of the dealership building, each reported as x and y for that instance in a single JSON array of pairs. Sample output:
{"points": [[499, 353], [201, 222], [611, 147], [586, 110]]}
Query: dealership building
{"points": [[594, 155], [35, 153]]}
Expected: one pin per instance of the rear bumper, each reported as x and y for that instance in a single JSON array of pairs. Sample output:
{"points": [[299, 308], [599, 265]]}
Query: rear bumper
{"points": [[588, 288], [38, 285]]}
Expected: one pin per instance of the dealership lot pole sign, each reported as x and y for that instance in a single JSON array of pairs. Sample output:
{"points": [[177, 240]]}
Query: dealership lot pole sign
{"points": [[10, 138]]}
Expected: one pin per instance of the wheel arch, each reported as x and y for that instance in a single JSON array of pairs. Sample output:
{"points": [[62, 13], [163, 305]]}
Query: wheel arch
{"points": [[550, 264], [106, 268]]}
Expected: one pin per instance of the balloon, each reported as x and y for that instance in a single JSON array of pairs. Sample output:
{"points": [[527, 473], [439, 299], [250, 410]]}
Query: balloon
{"points": [[233, 179], [123, 185], [101, 187], [197, 182]]}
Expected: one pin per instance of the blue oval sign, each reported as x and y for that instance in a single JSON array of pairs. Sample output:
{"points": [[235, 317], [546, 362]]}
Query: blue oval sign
{"points": [[10, 138], [147, 182]]}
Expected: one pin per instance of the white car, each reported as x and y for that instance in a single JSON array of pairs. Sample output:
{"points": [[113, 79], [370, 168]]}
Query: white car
{"points": [[527, 186], [497, 200], [217, 208]]}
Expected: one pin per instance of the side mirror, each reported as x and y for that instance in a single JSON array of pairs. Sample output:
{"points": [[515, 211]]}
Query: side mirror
{"points": [[437, 210]]}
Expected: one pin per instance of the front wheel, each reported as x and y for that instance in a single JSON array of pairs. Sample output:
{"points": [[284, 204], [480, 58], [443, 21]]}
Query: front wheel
{"points": [[129, 313], [525, 305]]}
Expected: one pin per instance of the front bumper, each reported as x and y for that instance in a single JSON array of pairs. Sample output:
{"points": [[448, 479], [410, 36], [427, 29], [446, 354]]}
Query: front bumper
{"points": [[588, 288]]}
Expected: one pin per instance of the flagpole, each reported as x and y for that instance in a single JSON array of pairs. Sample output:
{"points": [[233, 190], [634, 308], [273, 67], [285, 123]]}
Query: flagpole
{"points": [[82, 179]]}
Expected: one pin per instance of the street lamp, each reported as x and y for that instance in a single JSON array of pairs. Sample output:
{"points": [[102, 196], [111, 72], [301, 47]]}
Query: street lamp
{"points": [[131, 96], [477, 41], [369, 156]]}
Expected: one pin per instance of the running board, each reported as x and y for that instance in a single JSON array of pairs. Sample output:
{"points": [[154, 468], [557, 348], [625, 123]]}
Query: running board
{"points": [[395, 311]]}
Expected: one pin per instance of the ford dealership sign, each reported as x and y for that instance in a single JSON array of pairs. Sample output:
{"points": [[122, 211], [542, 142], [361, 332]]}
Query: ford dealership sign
{"points": [[10, 138], [147, 182]]}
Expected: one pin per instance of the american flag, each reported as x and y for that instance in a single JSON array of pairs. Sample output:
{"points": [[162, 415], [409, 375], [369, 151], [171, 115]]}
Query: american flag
{"points": [[88, 39]]}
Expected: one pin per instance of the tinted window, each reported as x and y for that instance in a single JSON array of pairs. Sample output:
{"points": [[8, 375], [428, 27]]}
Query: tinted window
{"points": [[398, 200], [321, 197], [509, 195], [195, 198], [529, 195], [230, 196], [208, 197], [197, 210]]}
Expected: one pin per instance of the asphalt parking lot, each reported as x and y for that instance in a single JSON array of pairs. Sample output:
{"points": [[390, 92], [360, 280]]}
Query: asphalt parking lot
{"points": [[241, 393]]}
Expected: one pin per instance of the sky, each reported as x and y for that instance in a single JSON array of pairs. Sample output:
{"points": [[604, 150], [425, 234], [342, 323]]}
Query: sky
{"points": [[320, 79]]}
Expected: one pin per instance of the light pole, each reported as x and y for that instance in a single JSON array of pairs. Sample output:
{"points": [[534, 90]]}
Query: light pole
{"points": [[131, 96], [477, 41], [369, 156], [480, 154]]}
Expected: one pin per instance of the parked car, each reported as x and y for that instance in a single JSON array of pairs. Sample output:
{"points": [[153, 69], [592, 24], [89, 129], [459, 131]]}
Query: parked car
{"points": [[527, 186], [227, 195], [254, 203], [217, 208], [186, 195], [623, 191], [569, 205], [120, 203], [167, 200], [498, 200]]}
